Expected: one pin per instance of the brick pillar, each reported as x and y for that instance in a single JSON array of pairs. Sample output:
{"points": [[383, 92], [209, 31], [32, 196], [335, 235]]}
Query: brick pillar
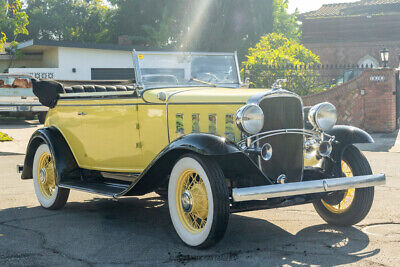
{"points": [[380, 100], [367, 102]]}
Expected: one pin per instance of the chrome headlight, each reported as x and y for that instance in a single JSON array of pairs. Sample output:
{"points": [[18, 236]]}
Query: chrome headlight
{"points": [[250, 119], [323, 116]]}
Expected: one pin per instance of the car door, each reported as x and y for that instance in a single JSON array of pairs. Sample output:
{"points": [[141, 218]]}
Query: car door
{"points": [[110, 133]]}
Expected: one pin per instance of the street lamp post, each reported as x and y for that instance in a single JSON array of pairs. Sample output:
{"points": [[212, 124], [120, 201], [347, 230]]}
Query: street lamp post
{"points": [[385, 57]]}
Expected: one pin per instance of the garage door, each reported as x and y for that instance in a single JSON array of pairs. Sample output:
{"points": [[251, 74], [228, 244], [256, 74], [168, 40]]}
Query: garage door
{"points": [[113, 73]]}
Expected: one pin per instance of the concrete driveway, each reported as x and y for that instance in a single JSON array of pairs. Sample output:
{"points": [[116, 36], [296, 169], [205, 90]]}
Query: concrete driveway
{"points": [[93, 230]]}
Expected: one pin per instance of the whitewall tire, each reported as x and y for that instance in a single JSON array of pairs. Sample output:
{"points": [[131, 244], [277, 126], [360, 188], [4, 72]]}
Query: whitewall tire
{"points": [[49, 195], [198, 200]]}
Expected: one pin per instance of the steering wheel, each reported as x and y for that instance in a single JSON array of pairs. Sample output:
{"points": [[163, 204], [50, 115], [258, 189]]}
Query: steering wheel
{"points": [[207, 77]]}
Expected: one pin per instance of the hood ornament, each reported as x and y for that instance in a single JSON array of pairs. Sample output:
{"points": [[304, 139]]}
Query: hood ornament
{"points": [[278, 84]]}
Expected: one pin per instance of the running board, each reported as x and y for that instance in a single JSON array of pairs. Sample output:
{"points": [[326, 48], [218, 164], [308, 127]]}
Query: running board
{"points": [[100, 188], [308, 187]]}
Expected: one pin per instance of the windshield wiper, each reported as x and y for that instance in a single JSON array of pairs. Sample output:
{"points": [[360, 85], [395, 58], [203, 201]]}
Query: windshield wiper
{"points": [[203, 82]]}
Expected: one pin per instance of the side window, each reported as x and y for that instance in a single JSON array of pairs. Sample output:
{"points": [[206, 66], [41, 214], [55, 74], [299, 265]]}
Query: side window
{"points": [[212, 123]]}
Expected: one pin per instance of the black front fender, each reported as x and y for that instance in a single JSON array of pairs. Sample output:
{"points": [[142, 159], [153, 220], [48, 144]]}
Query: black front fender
{"points": [[64, 161], [230, 158], [345, 136], [204, 144]]}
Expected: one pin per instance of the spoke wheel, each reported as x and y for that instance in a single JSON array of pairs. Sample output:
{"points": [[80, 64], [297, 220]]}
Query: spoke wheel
{"points": [[345, 208], [45, 175], [198, 200], [191, 201], [50, 196], [348, 196]]}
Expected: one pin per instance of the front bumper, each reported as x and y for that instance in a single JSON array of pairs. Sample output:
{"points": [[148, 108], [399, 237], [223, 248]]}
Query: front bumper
{"points": [[308, 187]]}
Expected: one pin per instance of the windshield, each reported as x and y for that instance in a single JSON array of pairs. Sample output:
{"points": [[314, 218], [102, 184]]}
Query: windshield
{"points": [[161, 69]]}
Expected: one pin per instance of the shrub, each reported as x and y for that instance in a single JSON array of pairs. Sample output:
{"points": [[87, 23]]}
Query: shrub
{"points": [[276, 57]]}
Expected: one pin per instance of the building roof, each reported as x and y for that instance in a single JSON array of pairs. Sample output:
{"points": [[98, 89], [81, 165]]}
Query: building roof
{"points": [[36, 42], [356, 8]]}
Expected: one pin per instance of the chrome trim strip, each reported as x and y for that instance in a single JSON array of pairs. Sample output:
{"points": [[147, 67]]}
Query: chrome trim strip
{"points": [[143, 104], [237, 68], [308, 187], [187, 53]]}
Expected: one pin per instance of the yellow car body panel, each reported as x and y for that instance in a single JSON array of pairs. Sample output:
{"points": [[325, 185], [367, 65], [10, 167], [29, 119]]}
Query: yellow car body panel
{"points": [[138, 127], [102, 126]]}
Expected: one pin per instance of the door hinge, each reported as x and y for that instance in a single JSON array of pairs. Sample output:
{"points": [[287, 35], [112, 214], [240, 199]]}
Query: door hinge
{"points": [[139, 145], [137, 126]]}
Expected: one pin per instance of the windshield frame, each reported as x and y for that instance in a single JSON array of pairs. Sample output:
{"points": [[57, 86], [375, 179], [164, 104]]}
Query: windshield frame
{"points": [[144, 87]]}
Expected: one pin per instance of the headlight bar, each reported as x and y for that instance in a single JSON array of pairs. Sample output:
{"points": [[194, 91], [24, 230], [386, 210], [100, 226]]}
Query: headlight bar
{"points": [[251, 140]]}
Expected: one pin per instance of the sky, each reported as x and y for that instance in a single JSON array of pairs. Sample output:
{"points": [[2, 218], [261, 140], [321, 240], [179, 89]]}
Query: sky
{"points": [[309, 5]]}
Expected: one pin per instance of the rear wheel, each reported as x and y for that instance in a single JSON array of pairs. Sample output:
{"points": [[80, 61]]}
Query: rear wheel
{"points": [[348, 207], [198, 200], [50, 196]]}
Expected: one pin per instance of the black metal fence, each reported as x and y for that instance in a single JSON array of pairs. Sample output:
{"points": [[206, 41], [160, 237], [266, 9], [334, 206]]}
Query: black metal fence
{"points": [[303, 79]]}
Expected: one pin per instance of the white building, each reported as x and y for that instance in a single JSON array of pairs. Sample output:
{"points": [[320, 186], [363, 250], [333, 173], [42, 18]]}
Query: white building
{"points": [[72, 61]]}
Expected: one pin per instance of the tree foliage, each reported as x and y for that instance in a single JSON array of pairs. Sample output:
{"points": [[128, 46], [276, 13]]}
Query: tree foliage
{"points": [[276, 57], [13, 22], [285, 23], [69, 20], [207, 25]]}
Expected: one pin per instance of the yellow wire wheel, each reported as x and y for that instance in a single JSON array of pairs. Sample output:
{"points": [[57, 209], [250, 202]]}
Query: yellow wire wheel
{"points": [[348, 197], [191, 201], [198, 200], [49, 195], [45, 175]]}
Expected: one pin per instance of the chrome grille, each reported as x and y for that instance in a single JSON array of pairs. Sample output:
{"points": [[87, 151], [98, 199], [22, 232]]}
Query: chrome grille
{"points": [[283, 112]]}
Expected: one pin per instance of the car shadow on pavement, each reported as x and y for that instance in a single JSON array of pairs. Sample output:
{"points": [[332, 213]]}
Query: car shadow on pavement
{"points": [[133, 230]]}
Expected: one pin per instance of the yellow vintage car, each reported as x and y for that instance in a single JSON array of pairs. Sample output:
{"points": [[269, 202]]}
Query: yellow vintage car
{"points": [[190, 130]]}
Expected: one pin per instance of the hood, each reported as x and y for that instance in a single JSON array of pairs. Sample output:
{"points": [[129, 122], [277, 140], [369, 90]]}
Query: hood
{"points": [[202, 94]]}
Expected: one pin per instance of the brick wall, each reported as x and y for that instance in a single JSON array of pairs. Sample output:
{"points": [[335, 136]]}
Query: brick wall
{"points": [[367, 102]]}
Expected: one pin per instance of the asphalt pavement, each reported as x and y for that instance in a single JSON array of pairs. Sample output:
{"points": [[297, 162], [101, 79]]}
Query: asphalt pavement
{"points": [[94, 230]]}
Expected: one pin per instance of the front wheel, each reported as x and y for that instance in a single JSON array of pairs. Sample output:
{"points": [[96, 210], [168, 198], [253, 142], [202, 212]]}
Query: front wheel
{"points": [[198, 200], [50, 196], [345, 208]]}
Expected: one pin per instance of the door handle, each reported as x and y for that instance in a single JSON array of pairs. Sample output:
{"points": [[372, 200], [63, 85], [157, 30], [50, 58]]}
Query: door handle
{"points": [[81, 113]]}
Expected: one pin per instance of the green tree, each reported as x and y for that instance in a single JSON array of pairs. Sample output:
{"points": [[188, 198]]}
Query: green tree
{"points": [[202, 25], [69, 20], [284, 22], [276, 57], [13, 23]]}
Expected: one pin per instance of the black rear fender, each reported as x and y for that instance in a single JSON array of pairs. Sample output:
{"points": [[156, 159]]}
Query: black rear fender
{"points": [[65, 163], [236, 165]]}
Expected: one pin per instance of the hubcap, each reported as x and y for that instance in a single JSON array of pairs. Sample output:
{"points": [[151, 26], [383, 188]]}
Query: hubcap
{"points": [[187, 202], [42, 175]]}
